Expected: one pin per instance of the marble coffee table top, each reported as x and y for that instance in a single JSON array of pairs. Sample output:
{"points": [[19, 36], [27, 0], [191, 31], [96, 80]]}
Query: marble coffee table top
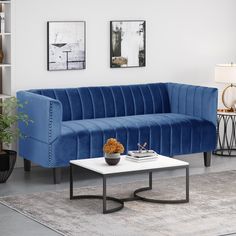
{"points": [[125, 166]]}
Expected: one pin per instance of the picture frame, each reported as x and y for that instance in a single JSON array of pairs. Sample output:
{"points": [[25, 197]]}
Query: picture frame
{"points": [[66, 45], [127, 43]]}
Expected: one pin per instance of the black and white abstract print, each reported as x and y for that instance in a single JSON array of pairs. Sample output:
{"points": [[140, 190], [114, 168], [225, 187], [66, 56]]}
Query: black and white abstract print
{"points": [[66, 45], [127, 44]]}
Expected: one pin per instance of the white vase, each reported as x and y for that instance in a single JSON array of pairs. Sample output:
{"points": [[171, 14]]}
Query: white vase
{"points": [[112, 159], [112, 155]]}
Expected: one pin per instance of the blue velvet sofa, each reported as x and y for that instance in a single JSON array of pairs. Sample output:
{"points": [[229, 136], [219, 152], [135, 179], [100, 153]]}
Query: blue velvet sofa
{"points": [[74, 123]]}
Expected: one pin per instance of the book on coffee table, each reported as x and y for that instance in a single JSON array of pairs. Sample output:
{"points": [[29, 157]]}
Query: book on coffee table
{"points": [[142, 155], [141, 159]]}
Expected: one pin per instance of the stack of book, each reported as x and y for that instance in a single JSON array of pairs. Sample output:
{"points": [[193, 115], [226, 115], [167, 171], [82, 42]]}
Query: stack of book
{"points": [[142, 155]]}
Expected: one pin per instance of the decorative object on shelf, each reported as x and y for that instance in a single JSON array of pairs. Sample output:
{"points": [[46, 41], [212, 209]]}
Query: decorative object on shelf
{"points": [[226, 133], [66, 45], [226, 73], [1, 56], [127, 44], [112, 149], [7, 134], [2, 22]]}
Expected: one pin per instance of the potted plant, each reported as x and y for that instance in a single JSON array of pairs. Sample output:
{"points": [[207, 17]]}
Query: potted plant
{"points": [[112, 149], [8, 133]]}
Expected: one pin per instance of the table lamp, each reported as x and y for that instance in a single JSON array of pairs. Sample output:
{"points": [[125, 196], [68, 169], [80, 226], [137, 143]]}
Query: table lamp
{"points": [[226, 73]]}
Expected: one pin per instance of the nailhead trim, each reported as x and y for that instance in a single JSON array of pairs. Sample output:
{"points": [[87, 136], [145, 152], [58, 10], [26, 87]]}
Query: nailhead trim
{"points": [[50, 133]]}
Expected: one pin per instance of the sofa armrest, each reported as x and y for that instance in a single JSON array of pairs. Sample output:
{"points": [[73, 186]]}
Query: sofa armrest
{"points": [[46, 114], [193, 100]]}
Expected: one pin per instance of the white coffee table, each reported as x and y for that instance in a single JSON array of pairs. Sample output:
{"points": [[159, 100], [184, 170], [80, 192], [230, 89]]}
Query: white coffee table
{"points": [[125, 166]]}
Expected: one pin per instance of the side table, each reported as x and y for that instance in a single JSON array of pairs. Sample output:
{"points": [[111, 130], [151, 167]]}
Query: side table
{"points": [[226, 134]]}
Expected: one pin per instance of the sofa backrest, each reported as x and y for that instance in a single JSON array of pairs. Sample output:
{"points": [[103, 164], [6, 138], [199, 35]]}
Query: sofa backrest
{"points": [[110, 101]]}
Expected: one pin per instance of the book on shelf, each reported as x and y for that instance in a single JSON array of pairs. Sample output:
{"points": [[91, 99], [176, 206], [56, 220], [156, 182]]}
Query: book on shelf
{"points": [[2, 22]]}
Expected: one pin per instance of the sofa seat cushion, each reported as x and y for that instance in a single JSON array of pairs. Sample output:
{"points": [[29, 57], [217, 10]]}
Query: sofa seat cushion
{"points": [[168, 134]]}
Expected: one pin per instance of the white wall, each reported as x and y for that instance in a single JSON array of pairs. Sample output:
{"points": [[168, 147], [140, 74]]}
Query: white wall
{"points": [[185, 39]]}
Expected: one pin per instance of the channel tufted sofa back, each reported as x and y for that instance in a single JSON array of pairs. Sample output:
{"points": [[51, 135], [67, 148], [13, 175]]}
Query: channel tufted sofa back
{"points": [[74, 123], [112, 101]]}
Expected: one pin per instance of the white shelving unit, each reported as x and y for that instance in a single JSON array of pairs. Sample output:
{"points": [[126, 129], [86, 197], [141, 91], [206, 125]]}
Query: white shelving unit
{"points": [[5, 45], [4, 34]]}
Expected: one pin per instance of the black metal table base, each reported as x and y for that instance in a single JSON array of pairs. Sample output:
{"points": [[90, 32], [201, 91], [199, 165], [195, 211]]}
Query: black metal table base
{"points": [[135, 196], [157, 200], [225, 152], [105, 211], [226, 140]]}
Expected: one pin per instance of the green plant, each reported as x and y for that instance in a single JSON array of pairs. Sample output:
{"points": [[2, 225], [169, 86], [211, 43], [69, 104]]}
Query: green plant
{"points": [[8, 120]]}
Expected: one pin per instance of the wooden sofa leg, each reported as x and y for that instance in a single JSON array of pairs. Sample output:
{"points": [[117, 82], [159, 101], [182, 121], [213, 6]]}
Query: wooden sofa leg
{"points": [[27, 165], [207, 159], [57, 175]]}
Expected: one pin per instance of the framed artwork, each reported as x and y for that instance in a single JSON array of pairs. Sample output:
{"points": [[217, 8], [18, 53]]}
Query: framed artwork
{"points": [[66, 45], [127, 44]]}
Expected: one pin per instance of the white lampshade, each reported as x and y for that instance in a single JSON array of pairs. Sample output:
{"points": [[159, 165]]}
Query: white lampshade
{"points": [[225, 73]]}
